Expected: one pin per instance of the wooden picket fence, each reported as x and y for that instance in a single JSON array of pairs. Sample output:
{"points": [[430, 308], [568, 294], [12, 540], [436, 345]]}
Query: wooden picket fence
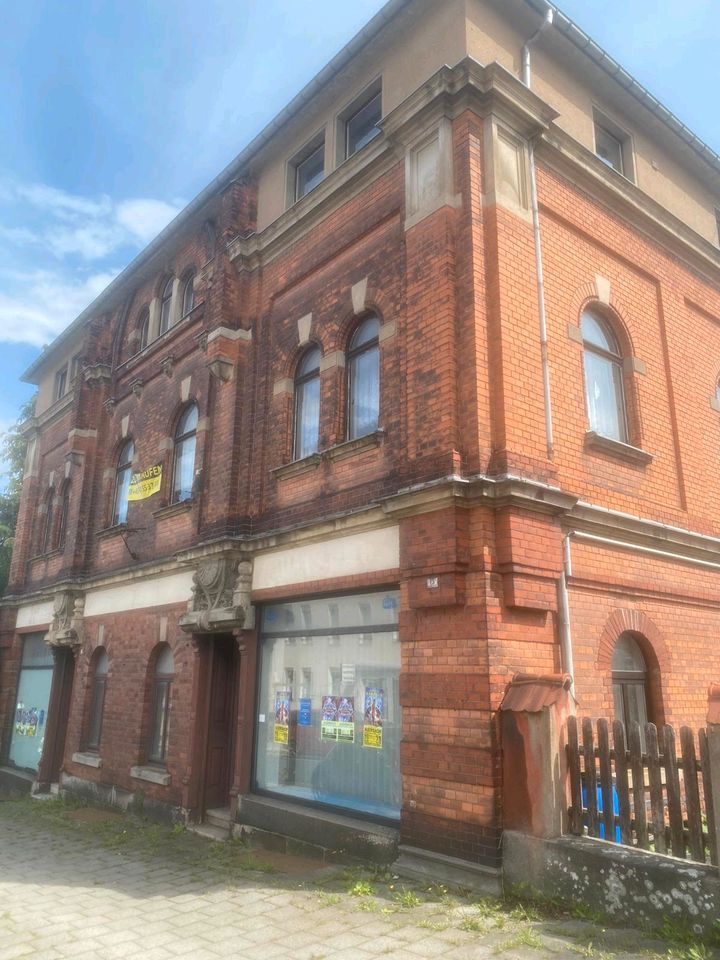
{"points": [[648, 798]]}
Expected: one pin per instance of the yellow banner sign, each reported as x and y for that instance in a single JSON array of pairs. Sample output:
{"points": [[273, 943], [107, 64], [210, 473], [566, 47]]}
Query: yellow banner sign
{"points": [[145, 484]]}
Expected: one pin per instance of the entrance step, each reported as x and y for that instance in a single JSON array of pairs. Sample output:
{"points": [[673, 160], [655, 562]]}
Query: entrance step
{"points": [[220, 817], [210, 832]]}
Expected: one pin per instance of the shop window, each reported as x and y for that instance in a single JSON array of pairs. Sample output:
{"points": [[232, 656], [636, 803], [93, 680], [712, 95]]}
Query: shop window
{"points": [[630, 682], [97, 699], [604, 384], [330, 723], [188, 297], [123, 475], [307, 405], [363, 364], [166, 306], [184, 456], [31, 705], [162, 682], [64, 510]]}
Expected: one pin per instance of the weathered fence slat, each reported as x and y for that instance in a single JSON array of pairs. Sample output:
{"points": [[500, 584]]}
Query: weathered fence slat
{"points": [[590, 776], [621, 782], [638, 785], [576, 824], [692, 793], [606, 784], [656, 791], [672, 782], [709, 799]]}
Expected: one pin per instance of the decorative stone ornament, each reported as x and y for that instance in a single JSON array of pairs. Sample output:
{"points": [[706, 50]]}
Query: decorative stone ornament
{"points": [[221, 368], [220, 596], [97, 374], [67, 629]]}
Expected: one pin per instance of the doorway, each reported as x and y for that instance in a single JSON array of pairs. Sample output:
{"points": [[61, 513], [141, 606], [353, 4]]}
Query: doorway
{"points": [[221, 723], [57, 719]]}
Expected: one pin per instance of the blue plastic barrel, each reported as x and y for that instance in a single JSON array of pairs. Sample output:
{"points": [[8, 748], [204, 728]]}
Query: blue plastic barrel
{"points": [[616, 810]]}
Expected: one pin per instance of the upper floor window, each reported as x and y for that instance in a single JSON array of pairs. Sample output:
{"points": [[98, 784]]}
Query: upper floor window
{"points": [[97, 699], [162, 680], [604, 386], [307, 404], [144, 330], [61, 383], [123, 475], [364, 379], [76, 366], [361, 123], [717, 223], [613, 146], [629, 679], [188, 300], [184, 458], [64, 510], [308, 168], [166, 305], [49, 524]]}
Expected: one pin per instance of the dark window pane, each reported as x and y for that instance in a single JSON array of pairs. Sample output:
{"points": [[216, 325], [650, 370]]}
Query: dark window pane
{"points": [[310, 172], [609, 149], [97, 704], [184, 469], [158, 733], [362, 127]]}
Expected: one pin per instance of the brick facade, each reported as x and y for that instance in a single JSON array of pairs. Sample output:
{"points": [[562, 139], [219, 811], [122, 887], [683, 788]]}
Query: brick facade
{"points": [[487, 516]]}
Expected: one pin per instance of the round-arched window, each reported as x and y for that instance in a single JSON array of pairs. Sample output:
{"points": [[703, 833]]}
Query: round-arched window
{"points": [[307, 405], [123, 475], [184, 458], [604, 386], [364, 379], [629, 678], [166, 305], [164, 672], [97, 699]]}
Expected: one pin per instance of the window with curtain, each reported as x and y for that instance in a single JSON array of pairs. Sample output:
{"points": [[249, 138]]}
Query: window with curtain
{"points": [[144, 330], [307, 405], [64, 510], [184, 457], [166, 305], [162, 681], [604, 386], [97, 699], [188, 298], [123, 475], [364, 379], [629, 679]]}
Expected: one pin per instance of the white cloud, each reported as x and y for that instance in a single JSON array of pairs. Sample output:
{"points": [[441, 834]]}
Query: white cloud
{"points": [[144, 219], [44, 303]]}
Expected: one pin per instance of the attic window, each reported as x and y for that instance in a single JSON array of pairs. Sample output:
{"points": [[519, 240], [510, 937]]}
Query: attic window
{"points": [[613, 146], [358, 123], [308, 168]]}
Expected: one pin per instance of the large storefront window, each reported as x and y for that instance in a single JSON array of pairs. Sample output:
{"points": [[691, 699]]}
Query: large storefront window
{"points": [[329, 711], [31, 707]]}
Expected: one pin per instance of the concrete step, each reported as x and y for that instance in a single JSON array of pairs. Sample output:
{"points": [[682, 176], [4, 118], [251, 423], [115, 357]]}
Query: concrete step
{"points": [[438, 868], [219, 818], [210, 832]]}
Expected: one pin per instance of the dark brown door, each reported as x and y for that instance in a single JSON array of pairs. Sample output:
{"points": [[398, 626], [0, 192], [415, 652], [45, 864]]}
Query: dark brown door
{"points": [[222, 710], [57, 720]]}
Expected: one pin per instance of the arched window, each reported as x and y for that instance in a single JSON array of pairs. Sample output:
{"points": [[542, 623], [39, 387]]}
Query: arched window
{"points": [[184, 457], [604, 388], [629, 679], [364, 379], [307, 405], [188, 298], [123, 475], [162, 680], [144, 329], [97, 699], [64, 509], [47, 543], [166, 305]]}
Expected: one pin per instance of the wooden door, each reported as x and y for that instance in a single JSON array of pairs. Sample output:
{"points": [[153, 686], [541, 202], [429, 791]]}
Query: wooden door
{"points": [[57, 718], [222, 711]]}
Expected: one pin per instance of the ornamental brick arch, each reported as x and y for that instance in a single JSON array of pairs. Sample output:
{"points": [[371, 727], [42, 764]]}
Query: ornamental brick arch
{"points": [[654, 648]]}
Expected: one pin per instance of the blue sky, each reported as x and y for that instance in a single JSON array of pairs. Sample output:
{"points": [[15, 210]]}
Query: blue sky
{"points": [[113, 115]]}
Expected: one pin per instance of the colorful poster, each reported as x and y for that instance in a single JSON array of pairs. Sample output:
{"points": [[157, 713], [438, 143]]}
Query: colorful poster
{"points": [[282, 716], [373, 717], [145, 484], [27, 720], [338, 720], [305, 712]]}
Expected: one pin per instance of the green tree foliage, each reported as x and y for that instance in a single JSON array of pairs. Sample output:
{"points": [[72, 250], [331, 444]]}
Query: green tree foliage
{"points": [[13, 446]]}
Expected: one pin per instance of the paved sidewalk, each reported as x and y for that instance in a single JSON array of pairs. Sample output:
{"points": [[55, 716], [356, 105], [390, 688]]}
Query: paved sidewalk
{"points": [[89, 884]]}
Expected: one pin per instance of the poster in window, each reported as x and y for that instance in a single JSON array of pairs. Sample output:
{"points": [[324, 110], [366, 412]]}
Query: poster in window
{"points": [[346, 720], [27, 720], [282, 716], [373, 717], [305, 712], [328, 725]]}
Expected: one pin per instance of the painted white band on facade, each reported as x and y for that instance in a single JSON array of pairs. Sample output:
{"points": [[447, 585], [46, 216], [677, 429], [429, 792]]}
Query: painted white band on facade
{"points": [[34, 614], [349, 556], [139, 594]]}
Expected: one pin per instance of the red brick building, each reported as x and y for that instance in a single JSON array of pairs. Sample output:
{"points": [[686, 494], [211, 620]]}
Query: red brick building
{"points": [[420, 392]]}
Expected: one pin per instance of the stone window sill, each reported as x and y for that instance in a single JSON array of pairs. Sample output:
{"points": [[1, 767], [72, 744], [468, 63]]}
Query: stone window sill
{"points": [[340, 451], [151, 775], [172, 509], [114, 531], [47, 556], [87, 759], [616, 448]]}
